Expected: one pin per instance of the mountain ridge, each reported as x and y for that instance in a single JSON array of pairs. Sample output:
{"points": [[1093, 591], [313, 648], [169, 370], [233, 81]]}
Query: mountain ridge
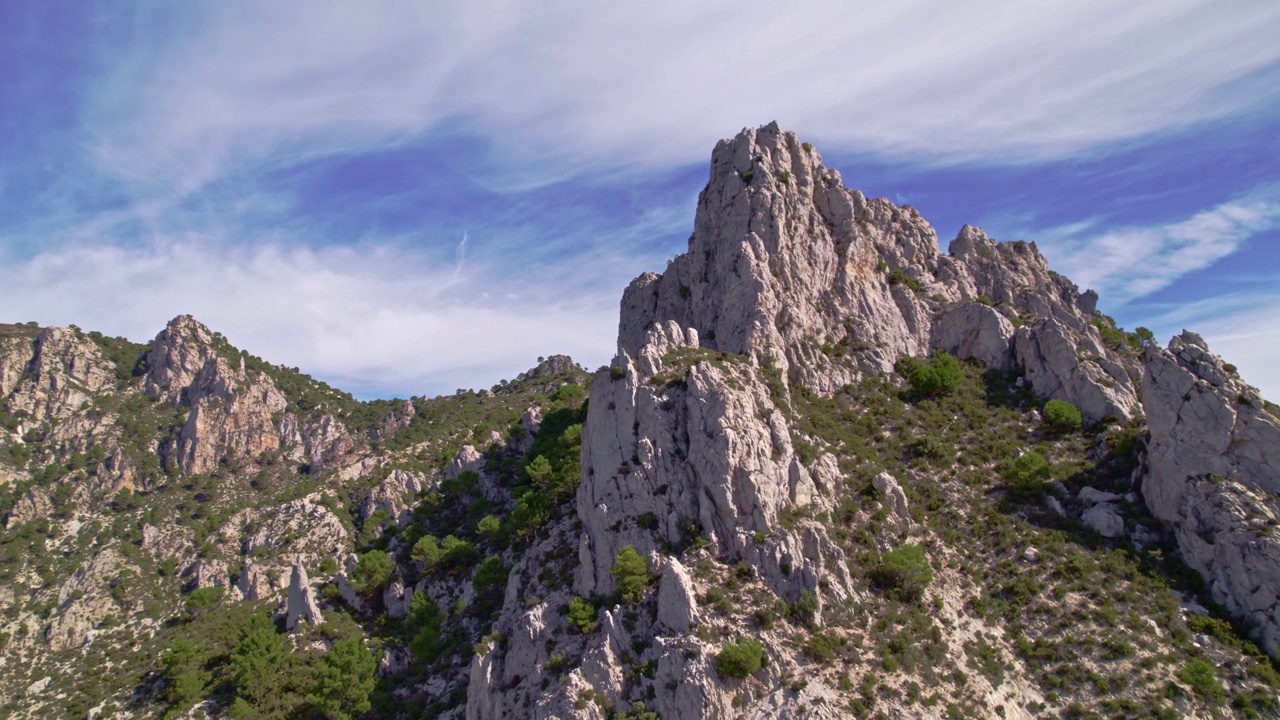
{"points": [[783, 497]]}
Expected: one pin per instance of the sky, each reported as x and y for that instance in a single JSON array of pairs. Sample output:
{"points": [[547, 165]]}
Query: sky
{"points": [[406, 198]]}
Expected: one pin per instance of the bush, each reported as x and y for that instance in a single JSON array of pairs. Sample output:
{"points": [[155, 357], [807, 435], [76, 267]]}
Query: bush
{"points": [[343, 680], [582, 615], [491, 576], [202, 599], [631, 572], [897, 277], [426, 551], [805, 608], [1198, 674], [1026, 473], [939, 375], [740, 659], [903, 573], [1061, 416], [489, 525], [372, 572], [823, 648]]}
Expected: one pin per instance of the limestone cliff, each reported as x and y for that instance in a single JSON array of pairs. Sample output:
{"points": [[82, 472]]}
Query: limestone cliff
{"points": [[754, 511], [794, 289], [1214, 459]]}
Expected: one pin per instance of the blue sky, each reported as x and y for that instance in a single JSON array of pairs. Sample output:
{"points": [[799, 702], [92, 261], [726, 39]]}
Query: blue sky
{"points": [[407, 198]]}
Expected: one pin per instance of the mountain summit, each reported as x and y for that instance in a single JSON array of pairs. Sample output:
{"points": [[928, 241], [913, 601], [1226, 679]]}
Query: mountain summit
{"points": [[832, 471]]}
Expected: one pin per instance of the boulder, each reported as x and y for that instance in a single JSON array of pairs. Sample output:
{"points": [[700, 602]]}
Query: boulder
{"points": [[974, 331], [1092, 496], [1105, 519], [893, 496]]}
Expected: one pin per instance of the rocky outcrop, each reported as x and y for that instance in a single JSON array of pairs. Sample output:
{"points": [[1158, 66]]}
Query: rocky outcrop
{"points": [[84, 601], [64, 372], [1065, 364], [394, 495], [1105, 519], [677, 600], [977, 331], [1214, 476], [305, 530], [790, 268], [234, 414], [301, 604], [790, 281], [893, 496]]}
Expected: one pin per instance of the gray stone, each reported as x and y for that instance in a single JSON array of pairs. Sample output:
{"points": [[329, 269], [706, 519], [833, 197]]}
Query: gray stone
{"points": [[677, 601], [1105, 519], [1214, 475], [893, 496], [302, 602], [1092, 496]]}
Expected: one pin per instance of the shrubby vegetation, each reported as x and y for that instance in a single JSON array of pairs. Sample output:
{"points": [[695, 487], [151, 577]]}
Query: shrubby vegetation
{"points": [[740, 659], [938, 375], [631, 575], [904, 573], [1060, 416]]}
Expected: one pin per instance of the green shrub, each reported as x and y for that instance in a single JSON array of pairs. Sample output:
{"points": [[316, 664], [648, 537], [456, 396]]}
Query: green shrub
{"points": [[805, 608], [1111, 335], [939, 375], [489, 525], [343, 680], [631, 573], [1061, 416], [490, 576], [372, 572], [202, 599], [1027, 473], [823, 648], [897, 277], [903, 573], [426, 551], [456, 553], [1198, 674], [582, 615], [740, 659]]}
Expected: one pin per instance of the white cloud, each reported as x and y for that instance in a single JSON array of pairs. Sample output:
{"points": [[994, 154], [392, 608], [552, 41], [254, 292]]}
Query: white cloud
{"points": [[1129, 263], [654, 83], [374, 318]]}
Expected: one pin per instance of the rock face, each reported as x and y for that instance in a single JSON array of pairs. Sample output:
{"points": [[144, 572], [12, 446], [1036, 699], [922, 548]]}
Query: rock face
{"points": [[789, 267], [302, 601], [791, 283], [234, 414], [1214, 460]]}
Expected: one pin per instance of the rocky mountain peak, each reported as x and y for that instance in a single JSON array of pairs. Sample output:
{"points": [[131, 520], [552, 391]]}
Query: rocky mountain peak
{"points": [[177, 355], [790, 268]]}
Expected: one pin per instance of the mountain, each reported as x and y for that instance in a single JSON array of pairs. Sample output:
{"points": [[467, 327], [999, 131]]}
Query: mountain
{"points": [[832, 471]]}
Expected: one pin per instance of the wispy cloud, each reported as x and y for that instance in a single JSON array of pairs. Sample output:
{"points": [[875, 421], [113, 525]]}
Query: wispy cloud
{"points": [[373, 319], [590, 84], [1128, 263]]}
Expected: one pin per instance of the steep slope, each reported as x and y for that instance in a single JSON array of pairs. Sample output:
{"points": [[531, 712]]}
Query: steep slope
{"points": [[740, 443], [1214, 460], [161, 493], [785, 497]]}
